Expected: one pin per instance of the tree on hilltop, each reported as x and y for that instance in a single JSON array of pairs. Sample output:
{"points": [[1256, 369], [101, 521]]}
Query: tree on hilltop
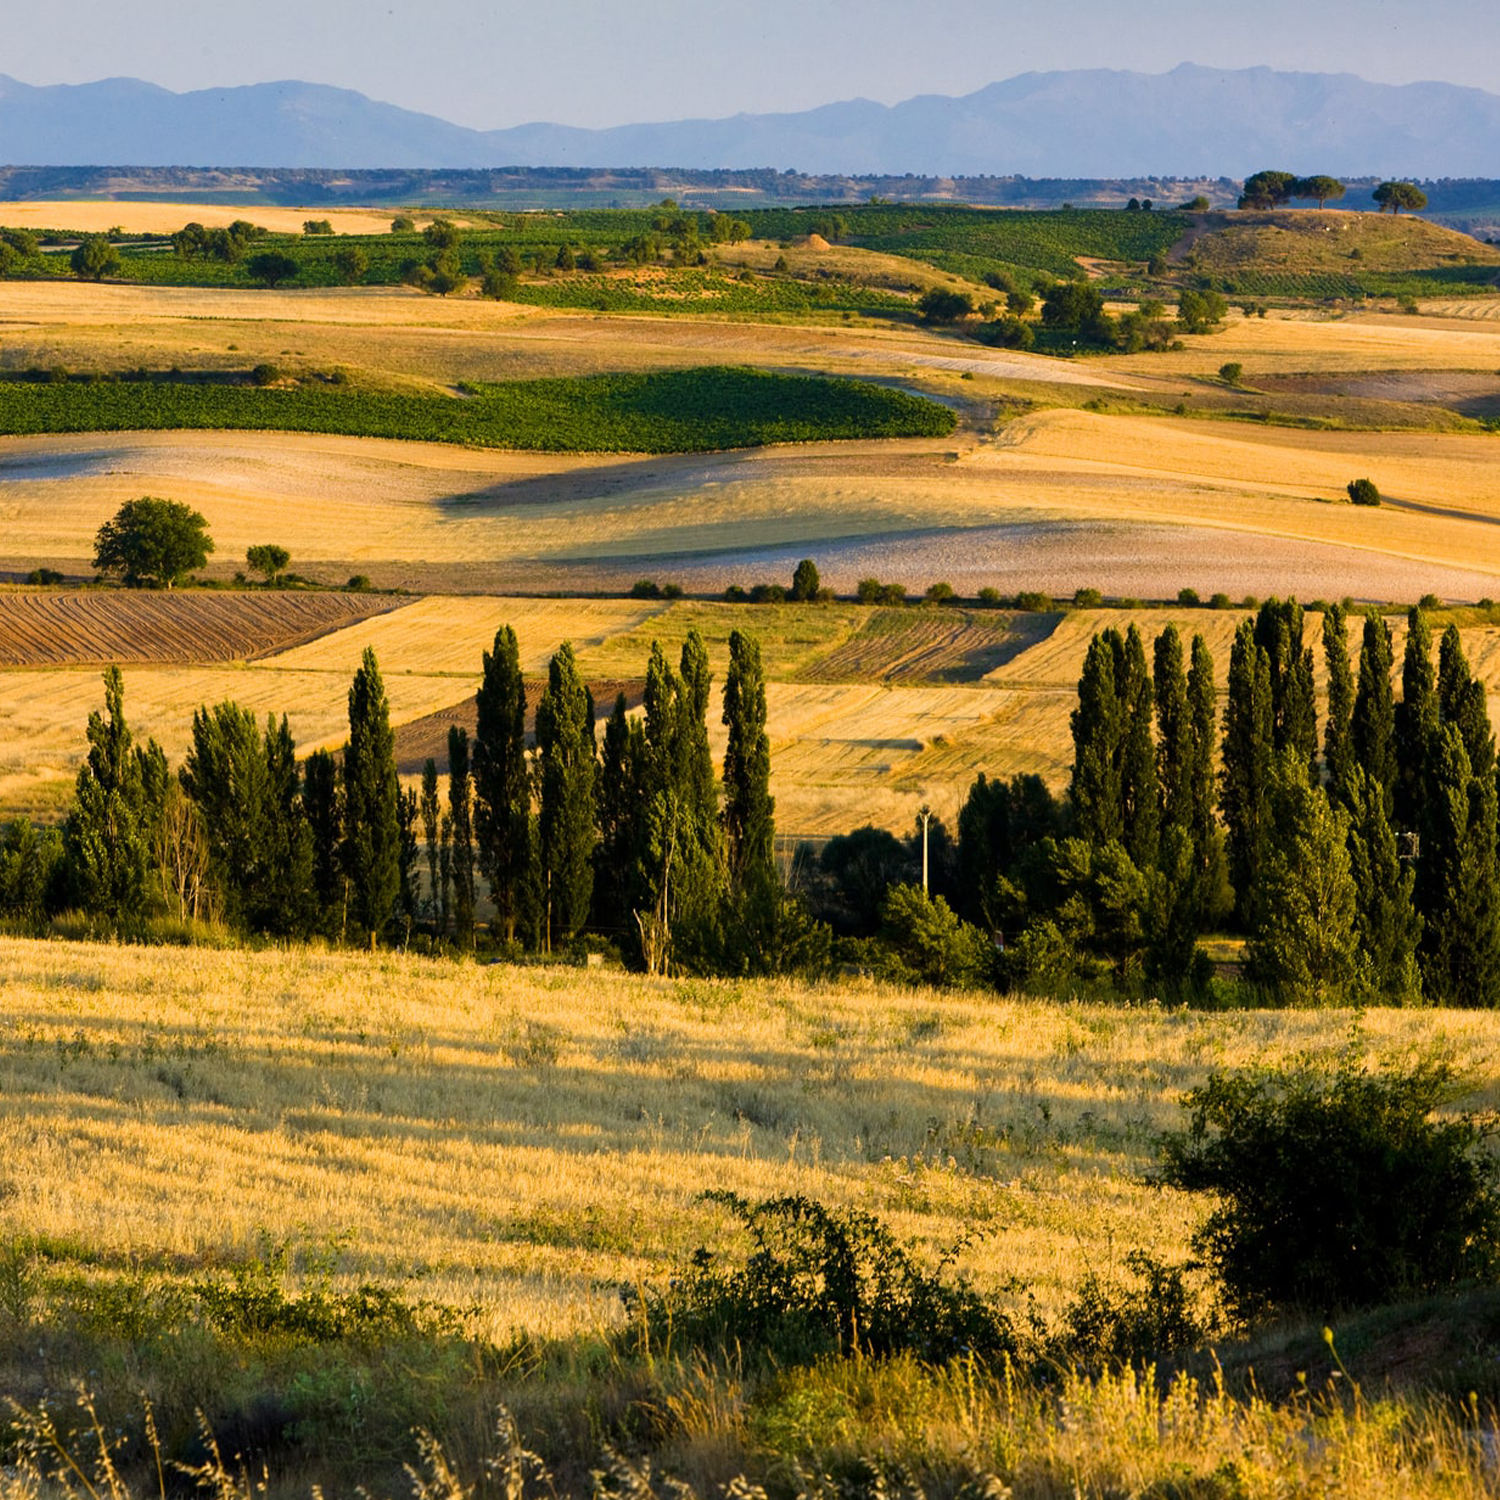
{"points": [[152, 543], [1398, 195], [1269, 189], [1320, 187]]}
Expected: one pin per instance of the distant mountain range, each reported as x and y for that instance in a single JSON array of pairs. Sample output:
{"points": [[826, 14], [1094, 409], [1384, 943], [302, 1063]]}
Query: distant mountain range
{"points": [[1088, 123]]}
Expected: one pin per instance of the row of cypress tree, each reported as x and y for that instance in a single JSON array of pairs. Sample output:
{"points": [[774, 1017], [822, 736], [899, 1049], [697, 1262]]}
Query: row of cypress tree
{"points": [[1359, 862], [632, 837]]}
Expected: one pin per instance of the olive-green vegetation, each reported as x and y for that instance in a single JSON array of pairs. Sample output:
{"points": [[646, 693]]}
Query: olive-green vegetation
{"points": [[673, 411]]}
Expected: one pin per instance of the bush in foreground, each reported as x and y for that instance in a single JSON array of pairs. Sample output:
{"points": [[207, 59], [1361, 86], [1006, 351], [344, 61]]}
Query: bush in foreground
{"points": [[1336, 1190]]}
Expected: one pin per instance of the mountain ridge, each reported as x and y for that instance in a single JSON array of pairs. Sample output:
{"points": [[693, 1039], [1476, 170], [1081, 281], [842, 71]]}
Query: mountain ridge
{"points": [[1099, 122]]}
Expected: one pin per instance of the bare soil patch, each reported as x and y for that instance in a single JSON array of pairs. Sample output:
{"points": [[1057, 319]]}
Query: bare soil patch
{"points": [[89, 628]]}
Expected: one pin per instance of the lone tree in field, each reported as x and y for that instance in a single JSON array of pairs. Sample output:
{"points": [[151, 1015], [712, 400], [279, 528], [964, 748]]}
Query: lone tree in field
{"points": [[1398, 195], [95, 258], [272, 267], [268, 560], [372, 821], [152, 543]]}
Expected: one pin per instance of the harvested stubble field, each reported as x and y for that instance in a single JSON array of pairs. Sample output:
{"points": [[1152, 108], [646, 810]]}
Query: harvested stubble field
{"points": [[99, 627], [532, 1139]]}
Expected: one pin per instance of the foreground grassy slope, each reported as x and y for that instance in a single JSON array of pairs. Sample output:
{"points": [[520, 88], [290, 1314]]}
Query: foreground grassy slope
{"points": [[527, 1140]]}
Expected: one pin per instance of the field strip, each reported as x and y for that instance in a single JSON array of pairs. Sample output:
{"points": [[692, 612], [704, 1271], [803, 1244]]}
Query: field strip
{"points": [[57, 629], [448, 635], [147, 217]]}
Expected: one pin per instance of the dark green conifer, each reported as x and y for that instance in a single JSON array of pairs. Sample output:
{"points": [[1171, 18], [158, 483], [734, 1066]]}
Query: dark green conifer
{"points": [[1456, 879], [1140, 790], [323, 802], [1416, 721], [460, 816], [105, 836], [431, 810], [618, 855], [1462, 703], [1372, 726], [1338, 745], [749, 809], [372, 816], [1098, 733], [1386, 917], [566, 829], [1246, 777], [502, 782]]}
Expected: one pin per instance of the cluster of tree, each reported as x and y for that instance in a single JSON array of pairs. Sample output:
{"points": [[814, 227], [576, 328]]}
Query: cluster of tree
{"points": [[1075, 310], [16, 246], [440, 271], [629, 834], [1271, 189], [229, 244], [1361, 863]]}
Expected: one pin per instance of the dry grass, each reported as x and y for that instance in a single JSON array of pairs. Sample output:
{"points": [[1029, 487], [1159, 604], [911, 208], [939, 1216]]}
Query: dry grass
{"points": [[530, 1139]]}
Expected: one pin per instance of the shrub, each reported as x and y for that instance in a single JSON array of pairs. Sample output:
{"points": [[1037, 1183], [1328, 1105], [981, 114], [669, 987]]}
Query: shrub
{"points": [[821, 1281], [44, 576], [265, 374], [358, 584], [671, 591], [1230, 372], [645, 588], [1113, 1323], [1336, 1189], [940, 593], [1221, 600], [990, 597], [1087, 599], [1033, 601], [1429, 602], [940, 306], [927, 943], [767, 593], [805, 581], [735, 594], [1363, 492], [1189, 598]]}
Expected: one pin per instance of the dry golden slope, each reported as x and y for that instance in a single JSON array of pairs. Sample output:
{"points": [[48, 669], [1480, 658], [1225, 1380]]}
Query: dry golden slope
{"points": [[529, 1139]]}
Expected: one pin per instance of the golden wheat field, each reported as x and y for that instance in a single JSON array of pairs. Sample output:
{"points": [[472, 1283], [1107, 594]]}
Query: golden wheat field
{"points": [[531, 1139]]}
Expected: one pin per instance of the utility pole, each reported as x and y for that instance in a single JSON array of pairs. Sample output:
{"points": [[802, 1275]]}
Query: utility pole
{"points": [[924, 813]]}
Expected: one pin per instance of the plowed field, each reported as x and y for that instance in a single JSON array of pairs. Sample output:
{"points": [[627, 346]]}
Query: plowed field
{"points": [[929, 646], [54, 630]]}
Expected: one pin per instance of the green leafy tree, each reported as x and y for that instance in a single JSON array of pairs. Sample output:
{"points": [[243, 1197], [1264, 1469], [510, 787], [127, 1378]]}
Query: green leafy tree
{"points": [[268, 560], [1400, 195], [1304, 946], [442, 235], [152, 543], [372, 823], [1077, 307], [351, 264], [502, 784], [1268, 189], [95, 258], [106, 836], [461, 820], [317, 226], [565, 745], [941, 305], [1372, 725], [271, 267], [805, 581], [1321, 187], [1336, 1189], [1200, 311], [928, 943]]}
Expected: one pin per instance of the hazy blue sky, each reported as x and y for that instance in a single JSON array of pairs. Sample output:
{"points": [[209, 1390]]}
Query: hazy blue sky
{"points": [[606, 62]]}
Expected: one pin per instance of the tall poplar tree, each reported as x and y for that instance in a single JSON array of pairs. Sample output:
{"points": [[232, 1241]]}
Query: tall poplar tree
{"points": [[431, 810], [1372, 726], [1456, 879], [1247, 765], [105, 838], [290, 903], [372, 818], [1462, 703], [1174, 726], [1338, 732], [1208, 839], [502, 782], [618, 855], [1416, 720], [460, 815], [1098, 732], [565, 744], [323, 802], [225, 775], [749, 809], [1289, 663], [1140, 794], [1386, 918]]}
